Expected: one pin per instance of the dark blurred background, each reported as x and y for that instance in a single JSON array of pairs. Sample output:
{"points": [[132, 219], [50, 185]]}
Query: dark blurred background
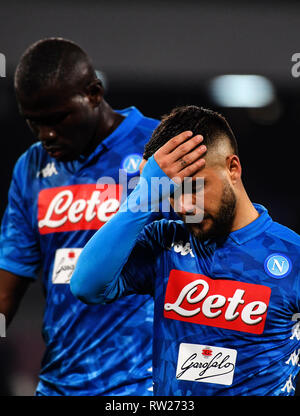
{"points": [[156, 55]]}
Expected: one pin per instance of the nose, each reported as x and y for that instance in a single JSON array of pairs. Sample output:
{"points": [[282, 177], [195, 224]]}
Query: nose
{"points": [[185, 205], [47, 135]]}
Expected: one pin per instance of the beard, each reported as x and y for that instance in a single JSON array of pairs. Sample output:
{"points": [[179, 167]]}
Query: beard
{"points": [[218, 225]]}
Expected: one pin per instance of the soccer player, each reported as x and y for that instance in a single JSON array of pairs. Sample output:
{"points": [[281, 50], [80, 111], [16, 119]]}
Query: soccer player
{"points": [[63, 189], [226, 289]]}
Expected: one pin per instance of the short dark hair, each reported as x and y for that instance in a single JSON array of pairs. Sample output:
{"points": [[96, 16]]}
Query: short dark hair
{"points": [[210, 124], [48, 62]]}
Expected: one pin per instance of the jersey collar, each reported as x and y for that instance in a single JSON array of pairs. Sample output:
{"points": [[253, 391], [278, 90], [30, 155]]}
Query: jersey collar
{"points": [[246, 233], [132, 117], [253, 229]]}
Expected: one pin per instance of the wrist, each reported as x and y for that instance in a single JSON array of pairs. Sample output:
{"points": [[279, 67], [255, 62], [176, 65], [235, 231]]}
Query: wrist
{"points": [[154, 186]]}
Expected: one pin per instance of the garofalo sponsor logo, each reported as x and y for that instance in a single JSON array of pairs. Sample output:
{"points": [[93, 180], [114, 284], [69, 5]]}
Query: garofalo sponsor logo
{"points": [[229, 304], [64, 264], [208, 364]]}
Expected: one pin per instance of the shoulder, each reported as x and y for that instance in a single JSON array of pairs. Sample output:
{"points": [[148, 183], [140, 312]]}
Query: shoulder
{"points": [[283, 237], [148, 123], [283, 243], [31, 160], [283, 233], [146, 127], [283, 247], [142, 123], [272, 234]]}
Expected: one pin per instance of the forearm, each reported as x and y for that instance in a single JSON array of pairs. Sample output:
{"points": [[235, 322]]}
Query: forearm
{"points": [[105, 255], [12, 289]]}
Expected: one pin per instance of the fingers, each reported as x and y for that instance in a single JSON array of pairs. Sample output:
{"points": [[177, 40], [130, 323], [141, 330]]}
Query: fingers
{"points": [[181, 156], [175, 142], [191, 170], [191, 157], [184, 148]]}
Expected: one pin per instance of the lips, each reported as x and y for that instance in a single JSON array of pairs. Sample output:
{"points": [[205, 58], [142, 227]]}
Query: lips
{"points": [[55, 152]]}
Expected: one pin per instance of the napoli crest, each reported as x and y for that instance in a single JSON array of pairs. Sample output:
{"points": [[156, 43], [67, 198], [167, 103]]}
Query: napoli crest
{"points": [[131, 163], [278, 265]]}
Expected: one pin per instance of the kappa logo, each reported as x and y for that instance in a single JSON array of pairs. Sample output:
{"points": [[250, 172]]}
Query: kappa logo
{"points": [[296, 327], [289, 385], [278, 265], [131, 163], [183, 249], [47, 171]]}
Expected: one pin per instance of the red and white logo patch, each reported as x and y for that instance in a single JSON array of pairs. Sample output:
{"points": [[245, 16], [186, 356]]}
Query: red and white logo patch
{"points": [[64, 264], [77, 207], [228, 304], [216, 367]]}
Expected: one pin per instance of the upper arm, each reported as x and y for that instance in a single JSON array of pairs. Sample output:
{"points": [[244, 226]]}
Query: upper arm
{"points": [[19, 246]]}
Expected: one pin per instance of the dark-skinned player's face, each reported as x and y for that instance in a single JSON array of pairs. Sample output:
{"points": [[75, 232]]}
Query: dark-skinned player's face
{"points": [[65, 121]]}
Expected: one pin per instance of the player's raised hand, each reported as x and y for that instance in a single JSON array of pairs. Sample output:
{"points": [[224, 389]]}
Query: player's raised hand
{"points": [[181, 156]]}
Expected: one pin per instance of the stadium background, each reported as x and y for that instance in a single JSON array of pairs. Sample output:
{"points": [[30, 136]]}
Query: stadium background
{"points": [[157, 55]]}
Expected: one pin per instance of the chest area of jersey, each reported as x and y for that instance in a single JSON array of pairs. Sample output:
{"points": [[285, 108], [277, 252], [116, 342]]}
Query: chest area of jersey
{"points": [[222, 289], [86, 199], [222, 303], [77, 207]]}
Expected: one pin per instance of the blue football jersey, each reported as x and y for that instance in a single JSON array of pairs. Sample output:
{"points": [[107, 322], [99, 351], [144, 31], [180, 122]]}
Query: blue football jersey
{"points": [[54, 208], [226, 312]]}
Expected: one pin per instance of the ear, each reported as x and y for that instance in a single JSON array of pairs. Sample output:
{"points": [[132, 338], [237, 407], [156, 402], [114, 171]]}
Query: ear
{"points": [[95, 92], [234, 168]]}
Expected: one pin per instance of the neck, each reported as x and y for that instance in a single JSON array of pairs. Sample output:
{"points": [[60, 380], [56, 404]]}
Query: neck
{"points": [[245, 212], [108, 121]]}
